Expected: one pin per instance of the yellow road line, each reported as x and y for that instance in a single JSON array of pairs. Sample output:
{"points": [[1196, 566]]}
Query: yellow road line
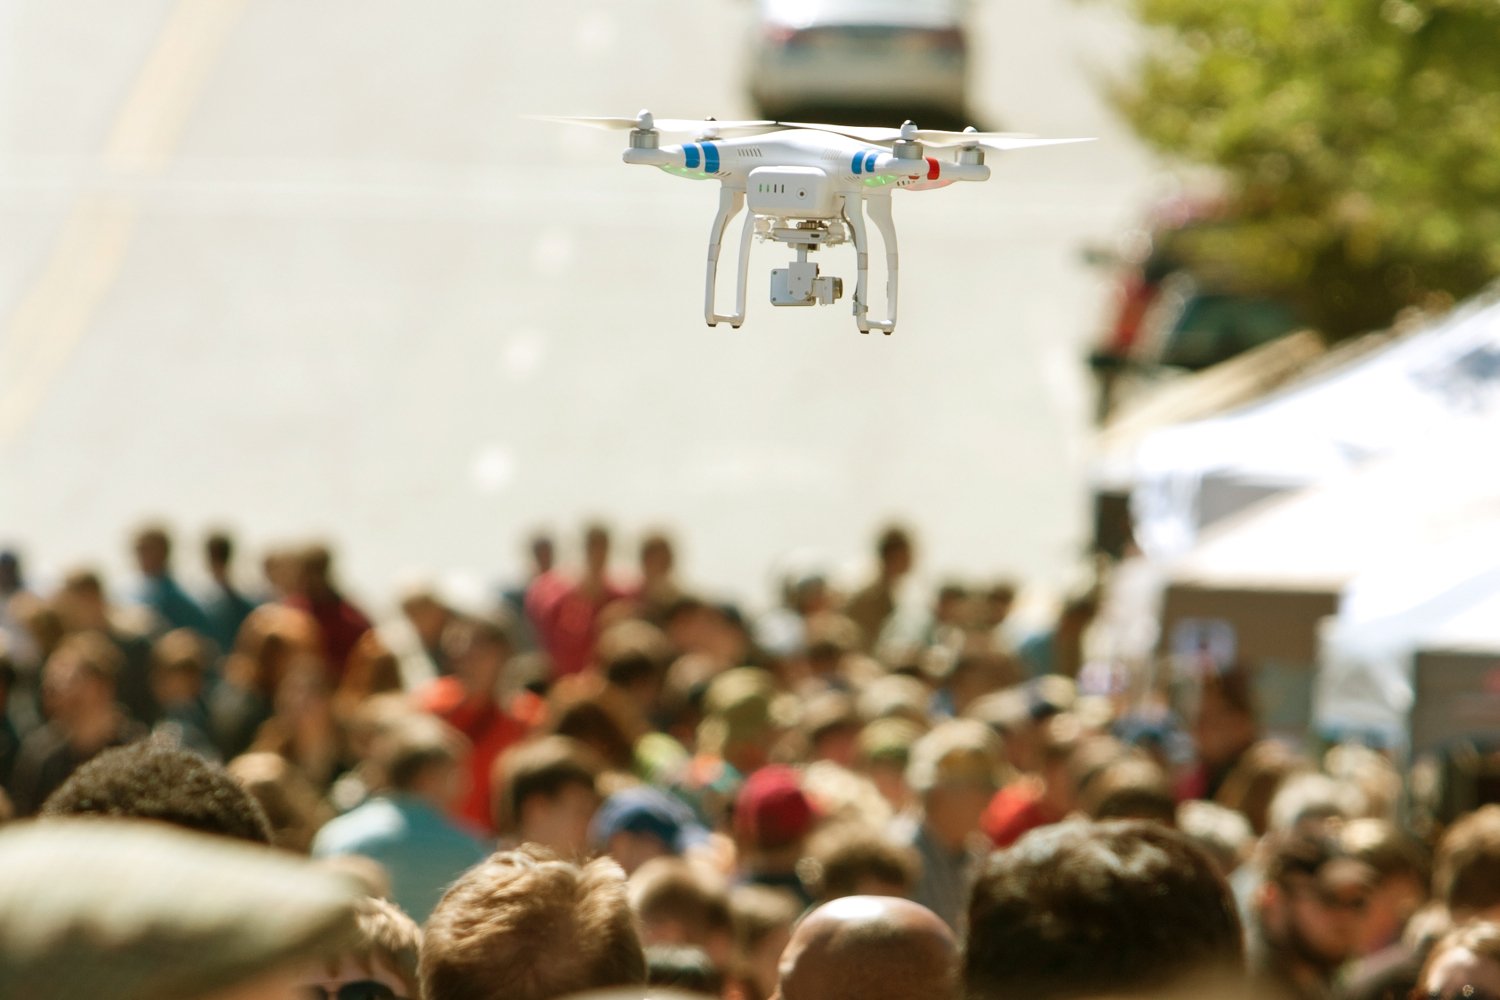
{"points": [[60, 306]]}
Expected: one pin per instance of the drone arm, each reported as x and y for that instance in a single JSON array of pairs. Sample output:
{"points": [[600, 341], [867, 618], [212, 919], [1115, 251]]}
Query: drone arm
{"points": [[731, 202]]}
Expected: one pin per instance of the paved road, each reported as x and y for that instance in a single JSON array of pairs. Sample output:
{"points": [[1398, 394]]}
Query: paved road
{"points": [[299, 268]]}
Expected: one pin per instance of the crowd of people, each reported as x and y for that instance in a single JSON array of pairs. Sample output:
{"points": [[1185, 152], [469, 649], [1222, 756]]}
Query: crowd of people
{"points": [[608, 782]]}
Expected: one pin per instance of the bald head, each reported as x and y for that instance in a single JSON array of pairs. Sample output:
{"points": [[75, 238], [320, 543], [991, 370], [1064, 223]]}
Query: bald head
{"points": [[870, 948]]}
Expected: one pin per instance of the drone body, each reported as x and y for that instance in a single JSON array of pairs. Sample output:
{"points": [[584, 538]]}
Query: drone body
{"points": [[808, 186]]}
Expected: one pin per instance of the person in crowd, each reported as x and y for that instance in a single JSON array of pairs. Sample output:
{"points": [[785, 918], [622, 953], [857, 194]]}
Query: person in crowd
{"points": [[683, 968], [1465, 887], [274, 641], [415, 636], [82, 606], [883, 753], [303, 726], [542, 551], [179, 664], [468, 699], [869, 948], [340, 623], [872, 605], [379, 964], [158, 589], [78, 689], [567, 613], [772, 820], [10, 733], [1223, 834], [1225, 726], [19, 642], [1117, 909], [1308, 913], [1401, 879], [225, 604], [1464, 965], [153, 780], [546, 793], [856, 860], [1059, 649], [1132, 786], [526, 925], [125, 910], [954, 771], [658, 591], [762, 918], [405, 826], [637, 824], [682, 903], [293, 807]]}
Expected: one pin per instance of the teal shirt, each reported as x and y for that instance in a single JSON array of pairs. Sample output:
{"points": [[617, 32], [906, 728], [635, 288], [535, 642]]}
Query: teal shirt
{"points": [[422, 849]]}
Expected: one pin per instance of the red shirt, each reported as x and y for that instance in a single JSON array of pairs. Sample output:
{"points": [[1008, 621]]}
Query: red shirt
{"points": [[488, 727], [566, 620]]}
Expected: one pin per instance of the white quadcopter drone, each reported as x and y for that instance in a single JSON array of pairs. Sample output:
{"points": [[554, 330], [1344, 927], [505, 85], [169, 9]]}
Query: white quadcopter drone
{"points": [[808, 186]]}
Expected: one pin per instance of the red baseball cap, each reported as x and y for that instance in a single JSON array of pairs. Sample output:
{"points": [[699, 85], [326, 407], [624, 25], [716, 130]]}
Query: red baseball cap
{"points": [[771, 810]]}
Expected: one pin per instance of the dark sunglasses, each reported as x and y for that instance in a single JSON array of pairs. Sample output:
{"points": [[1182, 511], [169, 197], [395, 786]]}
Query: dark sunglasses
{"points": [[361, 989], [1462, 993]]}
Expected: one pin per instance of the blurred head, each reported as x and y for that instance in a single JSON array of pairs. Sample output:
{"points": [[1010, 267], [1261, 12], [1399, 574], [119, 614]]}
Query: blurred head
{"points": [[1401, 879], [380, 964], [1226, 723], [524, 925], [179, 661], [772, 813], [955, 770], [1314, 898], [477, 648], [543, 552], [1466, 870], [869, 948], [1464, 965], [11, 577], [680, 903], [857, 860], [421, 756], [763, 919], [596, 548], [895, 550], [218, 551], [656, 557], [1099, 910], [547, 793], [152, 779], [79, 677], [153, 550], [635, 825]]}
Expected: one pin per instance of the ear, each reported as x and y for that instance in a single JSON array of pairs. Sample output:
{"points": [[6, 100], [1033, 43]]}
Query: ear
{"points": [[1269, 902]]}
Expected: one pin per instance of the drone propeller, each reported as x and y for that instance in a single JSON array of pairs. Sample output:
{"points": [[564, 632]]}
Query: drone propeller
{"points": [[936, 138], [647, 122]]}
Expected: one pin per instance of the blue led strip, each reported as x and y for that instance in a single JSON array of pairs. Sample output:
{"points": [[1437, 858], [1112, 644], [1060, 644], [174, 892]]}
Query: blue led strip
{"points": [[857, 164], [710, 158], [690, 155]]}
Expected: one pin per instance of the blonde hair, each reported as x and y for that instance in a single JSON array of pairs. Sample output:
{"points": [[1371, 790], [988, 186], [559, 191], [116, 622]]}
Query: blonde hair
{"points": [[523, 925]]}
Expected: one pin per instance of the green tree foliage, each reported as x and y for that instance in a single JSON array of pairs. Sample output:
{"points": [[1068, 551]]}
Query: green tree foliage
{"points": [[1359, 141]]}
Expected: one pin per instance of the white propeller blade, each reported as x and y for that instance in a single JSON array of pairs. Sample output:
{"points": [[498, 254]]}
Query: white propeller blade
{"points": [[1002, 144], [936, 138], [646, 120]]}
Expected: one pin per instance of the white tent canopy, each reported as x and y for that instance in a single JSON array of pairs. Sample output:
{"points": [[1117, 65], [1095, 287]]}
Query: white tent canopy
{"points": [[1365, 680], [1192, 475]]}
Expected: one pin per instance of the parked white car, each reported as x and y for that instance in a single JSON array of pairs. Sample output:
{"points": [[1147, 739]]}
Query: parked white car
{"points": [[902, 55]]}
